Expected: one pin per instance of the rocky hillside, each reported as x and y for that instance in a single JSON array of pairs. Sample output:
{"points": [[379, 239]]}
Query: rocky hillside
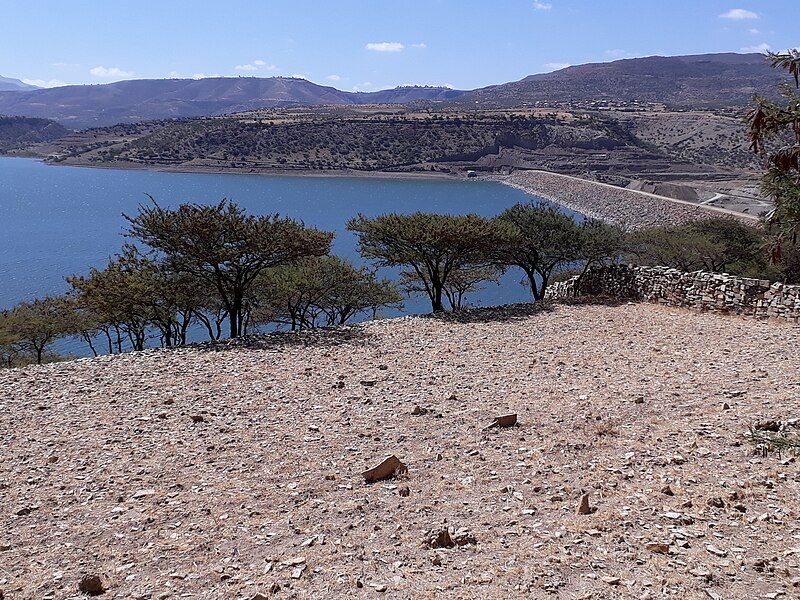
{"points": [[9, 84], [82, 106], [698, 81], [21, 131], [695, 81], [235, 470], [406, 139]]}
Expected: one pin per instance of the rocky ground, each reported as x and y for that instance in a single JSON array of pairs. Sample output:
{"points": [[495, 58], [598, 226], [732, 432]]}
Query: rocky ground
{"points": [[235, 470]]}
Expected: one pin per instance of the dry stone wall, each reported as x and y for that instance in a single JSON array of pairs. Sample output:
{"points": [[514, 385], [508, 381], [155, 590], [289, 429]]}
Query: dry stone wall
{"points": [[700, 290]]}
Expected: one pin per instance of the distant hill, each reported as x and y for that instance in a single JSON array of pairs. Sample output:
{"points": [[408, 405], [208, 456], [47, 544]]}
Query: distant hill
{"points": [[20, 131], [82, 106], [8, 84], [700, 81], [697, 81]]}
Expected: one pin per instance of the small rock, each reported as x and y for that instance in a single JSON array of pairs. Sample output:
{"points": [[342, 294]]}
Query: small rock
{"points": [[404, 491], [462, 537], [503, 421], [92, 585], [197, 418], [658, 547], [584, 508], [610, 580], [667, 491], [717, 551], [716, 502], [439, 539], [388, 468], [298, 571]]}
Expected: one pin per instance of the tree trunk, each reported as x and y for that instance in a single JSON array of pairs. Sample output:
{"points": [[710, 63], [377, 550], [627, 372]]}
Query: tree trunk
{"points": [[436, 301]]}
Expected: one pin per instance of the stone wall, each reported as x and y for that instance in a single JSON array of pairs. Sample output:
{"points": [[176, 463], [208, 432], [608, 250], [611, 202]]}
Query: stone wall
{"points": [[703, 291]]}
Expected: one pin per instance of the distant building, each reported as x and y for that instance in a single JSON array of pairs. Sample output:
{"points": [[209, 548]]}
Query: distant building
{"points": [[471, 174]]}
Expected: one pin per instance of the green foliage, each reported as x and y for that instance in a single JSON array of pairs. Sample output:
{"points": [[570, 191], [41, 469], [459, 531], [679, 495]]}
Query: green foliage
{"points": [[545, 241], [716, 244], [320, 291], [133, 293], [31, 328], [224, 246], [433, 247], [462, 281], [775, 133]]}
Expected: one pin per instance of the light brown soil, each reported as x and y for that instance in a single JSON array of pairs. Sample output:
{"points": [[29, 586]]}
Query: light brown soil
{"points": [[112, 476]]}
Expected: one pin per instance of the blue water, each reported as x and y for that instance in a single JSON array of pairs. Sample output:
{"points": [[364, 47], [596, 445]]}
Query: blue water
{"points": [[57, 221]]}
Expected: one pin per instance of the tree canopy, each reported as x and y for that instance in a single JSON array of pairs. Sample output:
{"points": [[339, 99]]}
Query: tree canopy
{"points": [[224, 246], [775, 133], [431, 246]]}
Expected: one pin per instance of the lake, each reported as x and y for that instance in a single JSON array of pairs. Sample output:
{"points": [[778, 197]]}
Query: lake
{"points": [[57, 221]]}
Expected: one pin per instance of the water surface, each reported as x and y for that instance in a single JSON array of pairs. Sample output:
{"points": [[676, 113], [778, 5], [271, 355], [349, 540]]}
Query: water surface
{"points": [[57, 221]]}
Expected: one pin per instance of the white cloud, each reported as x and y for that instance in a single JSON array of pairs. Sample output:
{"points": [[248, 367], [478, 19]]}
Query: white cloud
{"points": [[738, 14], [334, 78], [363, 87], [762, 47], [299, 76], [110, 72], [204, 76], [45, 83], [421, 45], [555, 66], [542, 5], [385, 46], [256, 65], [615, 53], [754, 31]]}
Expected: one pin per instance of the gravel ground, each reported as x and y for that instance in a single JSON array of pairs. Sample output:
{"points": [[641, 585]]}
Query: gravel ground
{"points": [[229, 471]]}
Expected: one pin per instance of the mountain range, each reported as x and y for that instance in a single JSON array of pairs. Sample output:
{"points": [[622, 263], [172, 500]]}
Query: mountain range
{"points": [[695, 81], [8, 84]]}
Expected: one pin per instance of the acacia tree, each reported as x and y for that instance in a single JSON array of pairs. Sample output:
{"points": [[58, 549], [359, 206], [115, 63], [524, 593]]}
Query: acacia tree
{"points": [[543, 239], [33, 327], [224, 246], [462, 281], [320, 291], [773, 122], [108, 301], [431, 246]]}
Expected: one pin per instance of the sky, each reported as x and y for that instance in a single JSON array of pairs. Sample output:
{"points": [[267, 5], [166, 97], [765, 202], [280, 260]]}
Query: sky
{"points": [[369, 44]]}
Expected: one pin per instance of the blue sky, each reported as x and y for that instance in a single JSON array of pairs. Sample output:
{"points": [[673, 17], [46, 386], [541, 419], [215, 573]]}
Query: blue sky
{"points": [[369, 44]]}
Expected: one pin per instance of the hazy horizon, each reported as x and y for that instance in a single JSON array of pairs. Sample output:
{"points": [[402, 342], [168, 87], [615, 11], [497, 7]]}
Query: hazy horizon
{"points": [[359, 46]]}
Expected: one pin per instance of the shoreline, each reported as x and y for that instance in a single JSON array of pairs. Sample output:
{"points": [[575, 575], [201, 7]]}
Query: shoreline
{"points": [[598, 200], [211, 170]]}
